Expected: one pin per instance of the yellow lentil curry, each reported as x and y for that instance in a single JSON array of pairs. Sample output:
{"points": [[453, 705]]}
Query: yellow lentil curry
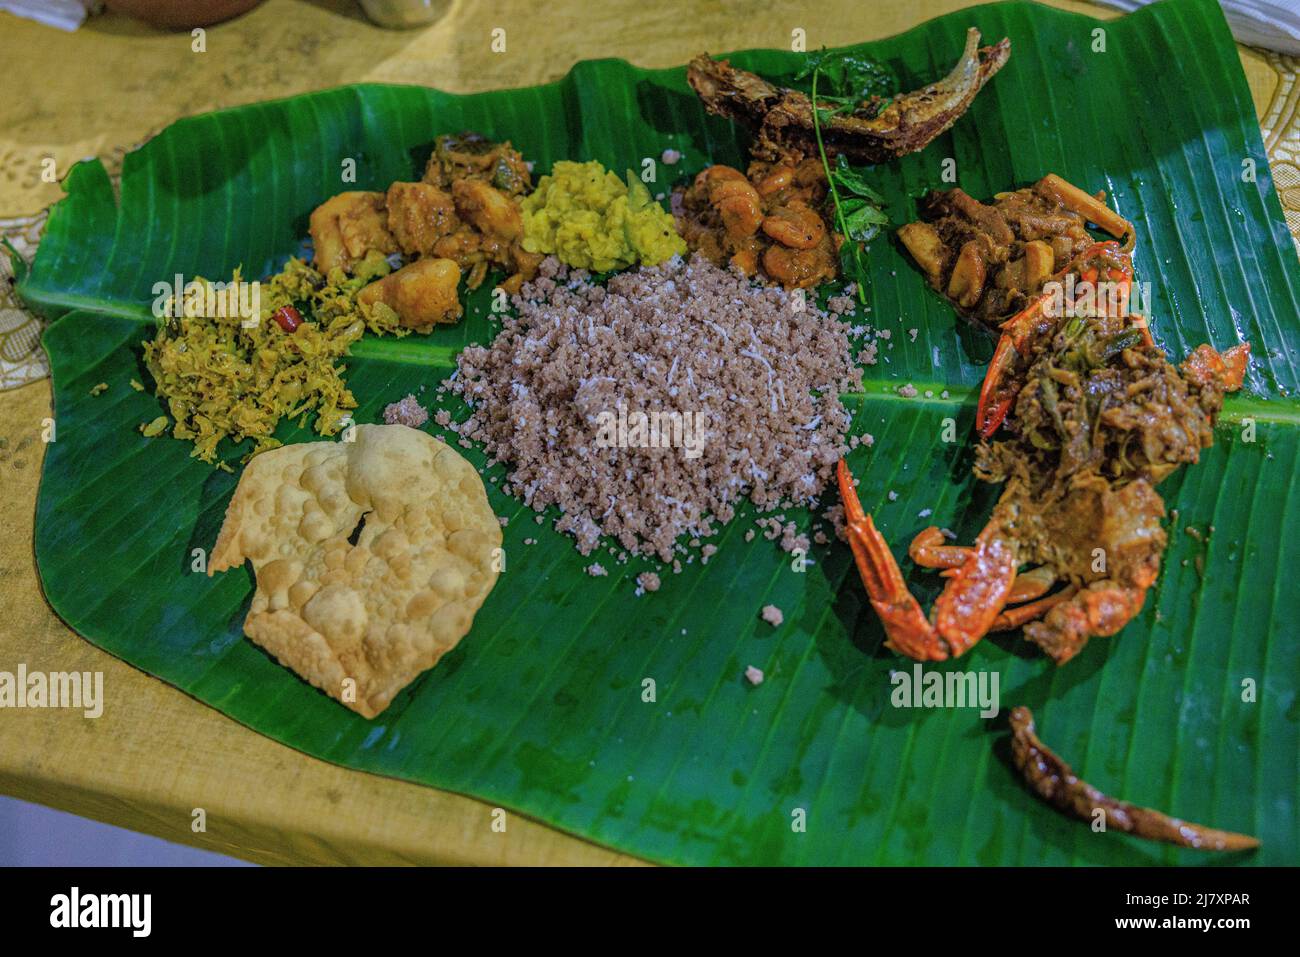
{"points": [[590, 219]]}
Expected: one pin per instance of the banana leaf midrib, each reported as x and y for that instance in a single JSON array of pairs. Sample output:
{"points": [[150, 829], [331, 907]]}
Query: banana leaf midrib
{"points": [[406, 351]]}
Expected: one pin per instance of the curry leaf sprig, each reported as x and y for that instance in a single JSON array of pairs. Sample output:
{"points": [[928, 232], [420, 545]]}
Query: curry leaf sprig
{"points": [[850, 80], [859, 214], [863, 210]]}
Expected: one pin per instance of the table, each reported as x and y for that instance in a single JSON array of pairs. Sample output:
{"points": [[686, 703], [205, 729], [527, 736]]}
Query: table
{"points": [[156, 755]]}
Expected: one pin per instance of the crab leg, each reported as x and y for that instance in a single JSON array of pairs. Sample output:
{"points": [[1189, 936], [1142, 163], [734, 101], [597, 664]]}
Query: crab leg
{"points": [[929, 551], [997, 393], [908, 631], [1073, 198], [1013, 618], [1031, 584]]}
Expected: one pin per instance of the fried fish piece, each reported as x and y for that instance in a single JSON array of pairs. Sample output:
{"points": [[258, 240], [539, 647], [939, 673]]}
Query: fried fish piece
{"points": [[371, 556], [782, 119], [346, 227]]}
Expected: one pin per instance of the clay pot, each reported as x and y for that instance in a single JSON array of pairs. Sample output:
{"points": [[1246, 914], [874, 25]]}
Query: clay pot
{"points": [[181, 14]]}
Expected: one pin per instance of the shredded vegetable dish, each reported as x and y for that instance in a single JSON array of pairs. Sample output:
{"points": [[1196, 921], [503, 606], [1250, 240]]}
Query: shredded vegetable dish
{"points": [[225, 376]]}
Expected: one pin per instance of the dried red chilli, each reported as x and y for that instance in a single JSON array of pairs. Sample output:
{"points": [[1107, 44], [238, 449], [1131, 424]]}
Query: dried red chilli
{"points": [[288, 318], [1056, 783]]}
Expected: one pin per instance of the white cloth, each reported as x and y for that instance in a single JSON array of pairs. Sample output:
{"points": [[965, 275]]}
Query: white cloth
{"points": [[1271, 24], [64, 14]]}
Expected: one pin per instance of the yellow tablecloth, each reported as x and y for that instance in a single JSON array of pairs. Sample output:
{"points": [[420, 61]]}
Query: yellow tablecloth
{"points": [[156, 755]]}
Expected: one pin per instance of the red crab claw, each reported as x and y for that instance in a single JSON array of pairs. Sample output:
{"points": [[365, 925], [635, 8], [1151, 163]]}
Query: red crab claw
{"points": [[978, 589], [907, 629]]}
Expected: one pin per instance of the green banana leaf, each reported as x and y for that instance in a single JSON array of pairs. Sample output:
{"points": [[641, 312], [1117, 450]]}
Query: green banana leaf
{"points": [[1192, 708]]}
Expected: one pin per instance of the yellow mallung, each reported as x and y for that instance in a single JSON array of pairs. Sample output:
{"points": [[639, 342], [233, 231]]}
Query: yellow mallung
{"points": [[590, 219]]}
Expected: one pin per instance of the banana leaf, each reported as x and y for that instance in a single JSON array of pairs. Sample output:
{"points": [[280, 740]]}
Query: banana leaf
{"points": [[1192, 708]]}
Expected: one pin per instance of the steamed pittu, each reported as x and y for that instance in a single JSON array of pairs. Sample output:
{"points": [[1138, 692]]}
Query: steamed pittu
{"points": [[361, 621]]}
